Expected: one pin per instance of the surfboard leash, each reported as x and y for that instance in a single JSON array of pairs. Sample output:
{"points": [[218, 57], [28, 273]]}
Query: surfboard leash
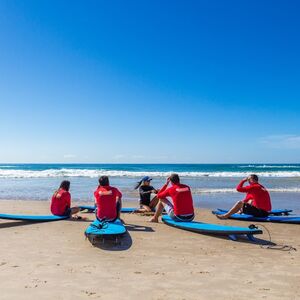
{"points": [[274, 246], [102, 225]]}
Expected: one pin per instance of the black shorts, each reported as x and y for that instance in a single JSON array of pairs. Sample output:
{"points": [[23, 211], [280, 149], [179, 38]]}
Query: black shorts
{"points": [[187, 218], [144, 203], [249, 209], [67, 212]]}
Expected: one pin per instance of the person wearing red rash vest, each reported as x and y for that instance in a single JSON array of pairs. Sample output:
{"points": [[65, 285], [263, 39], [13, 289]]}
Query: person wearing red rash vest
{"points": [[257, 202], [61, 201], [107, 200], [181, 208]]}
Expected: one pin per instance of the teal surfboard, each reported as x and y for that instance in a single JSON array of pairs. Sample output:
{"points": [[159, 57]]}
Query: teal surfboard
{"points": [[34, 218], [105, 229]]}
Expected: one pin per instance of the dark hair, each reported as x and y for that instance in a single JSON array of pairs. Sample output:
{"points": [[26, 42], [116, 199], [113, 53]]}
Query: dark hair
{"points": [[174, 178], [65, 185], [138, 185], [104, 181], [144, 179], [254, 177]]}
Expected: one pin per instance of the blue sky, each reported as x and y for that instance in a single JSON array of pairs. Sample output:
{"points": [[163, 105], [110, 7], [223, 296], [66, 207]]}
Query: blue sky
{"points": [[149, 81]]}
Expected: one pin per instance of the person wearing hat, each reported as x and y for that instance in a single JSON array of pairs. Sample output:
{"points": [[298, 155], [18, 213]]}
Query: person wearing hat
{"points": [[145, 191]]}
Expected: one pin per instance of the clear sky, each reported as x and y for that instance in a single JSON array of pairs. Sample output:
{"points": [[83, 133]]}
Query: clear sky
{"points": [[150, 81]]}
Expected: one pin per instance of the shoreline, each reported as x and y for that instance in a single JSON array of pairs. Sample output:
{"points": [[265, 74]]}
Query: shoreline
{"points": [[53, 260]]}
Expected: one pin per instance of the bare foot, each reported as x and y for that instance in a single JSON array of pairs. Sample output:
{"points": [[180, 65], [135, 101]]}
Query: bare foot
{"points": [[78, 218], [222, 217], [137, 211], [153, 220]]}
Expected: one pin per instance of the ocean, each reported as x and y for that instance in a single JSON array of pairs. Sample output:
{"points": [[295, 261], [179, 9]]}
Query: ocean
{"points": [[213, 185]]}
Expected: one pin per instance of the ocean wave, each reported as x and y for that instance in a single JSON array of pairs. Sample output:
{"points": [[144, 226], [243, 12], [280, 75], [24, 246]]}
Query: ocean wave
{"points": [[7, 166], [232, 190], [4, 173], [271, 166]]}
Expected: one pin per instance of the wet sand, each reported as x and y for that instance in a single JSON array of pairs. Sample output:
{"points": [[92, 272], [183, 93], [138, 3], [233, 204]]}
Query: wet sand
{"points": [[54, 261]]}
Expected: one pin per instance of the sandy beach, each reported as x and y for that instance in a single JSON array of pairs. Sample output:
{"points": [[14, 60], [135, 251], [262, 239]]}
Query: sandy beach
{"points": [[55, 261]]}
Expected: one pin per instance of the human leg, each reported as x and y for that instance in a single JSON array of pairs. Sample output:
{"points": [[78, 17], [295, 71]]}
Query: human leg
{"points": [[153, 203], [162, 204], [143, 208], [74, 210], [238, 206]]}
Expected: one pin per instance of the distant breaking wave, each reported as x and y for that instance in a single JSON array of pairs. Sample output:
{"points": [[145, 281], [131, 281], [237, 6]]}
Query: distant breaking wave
{"points": [[271, 166], [5, 173], [228, 190]]}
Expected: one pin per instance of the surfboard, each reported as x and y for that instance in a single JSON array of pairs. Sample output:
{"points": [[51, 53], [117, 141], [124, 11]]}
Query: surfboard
{"points": [[215, 229], [88, 208], [33, 218], [105, 229], [91, 209], [274, 219], [275, 212]]}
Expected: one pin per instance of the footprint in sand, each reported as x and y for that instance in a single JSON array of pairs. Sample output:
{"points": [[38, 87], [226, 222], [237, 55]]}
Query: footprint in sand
{"points": [[88, 293]]}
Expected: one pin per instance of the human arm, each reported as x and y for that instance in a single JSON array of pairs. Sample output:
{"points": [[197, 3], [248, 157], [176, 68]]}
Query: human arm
{"points": [[143, 192], [118, 196], [164, 191], [154, 191], [66, 197], [241, 188], [95, 197]]}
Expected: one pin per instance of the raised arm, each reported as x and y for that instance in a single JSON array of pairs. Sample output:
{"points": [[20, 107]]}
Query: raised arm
{"points": [[164, 192], [119, 195], [241, 188]]}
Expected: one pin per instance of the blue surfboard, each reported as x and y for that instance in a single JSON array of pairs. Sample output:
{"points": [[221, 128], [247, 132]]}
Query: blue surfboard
{"points": [[273, 219], [105, 229], [88, 208], [275, 212], [33, 218], [215, 229], [91, 209]]}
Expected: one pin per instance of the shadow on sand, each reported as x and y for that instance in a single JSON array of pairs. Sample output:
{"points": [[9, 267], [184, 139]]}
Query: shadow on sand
{"points": [[16, 223], [119, 243], [242, 239], [139, 228]]}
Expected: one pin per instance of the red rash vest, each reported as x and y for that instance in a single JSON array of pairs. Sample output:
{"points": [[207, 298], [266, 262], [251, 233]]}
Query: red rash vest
{"points": [[61, 201], [181, 196], [257, 193], [106, 200]]}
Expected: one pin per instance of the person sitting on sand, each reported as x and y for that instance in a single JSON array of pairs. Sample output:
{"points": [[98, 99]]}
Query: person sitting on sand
{"points": [[108, 201], [182, 208], [145, 191], [257, 202], [61, 201]]}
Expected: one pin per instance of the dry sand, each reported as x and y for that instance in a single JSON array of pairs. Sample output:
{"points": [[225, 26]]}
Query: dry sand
{"points": [[55, 261]]}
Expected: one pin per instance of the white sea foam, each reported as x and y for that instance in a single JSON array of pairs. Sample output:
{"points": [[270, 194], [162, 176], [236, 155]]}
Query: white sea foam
{"points": [[232, 190], [5, 173], [5, 166], [271, 166]]}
